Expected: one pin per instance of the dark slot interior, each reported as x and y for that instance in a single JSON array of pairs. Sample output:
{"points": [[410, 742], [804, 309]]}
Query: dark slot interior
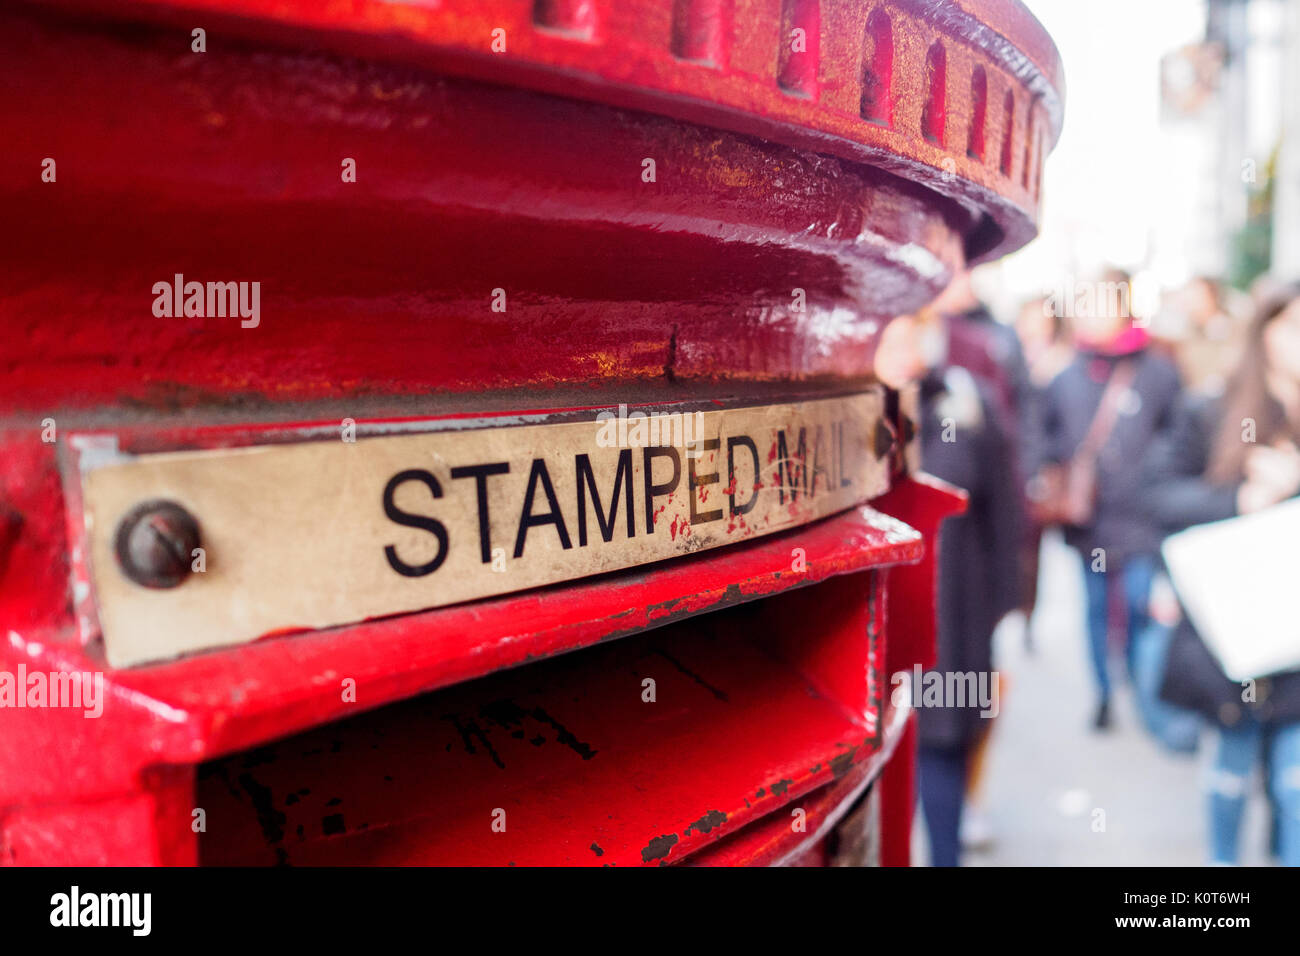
{"points": [[754, 705]]}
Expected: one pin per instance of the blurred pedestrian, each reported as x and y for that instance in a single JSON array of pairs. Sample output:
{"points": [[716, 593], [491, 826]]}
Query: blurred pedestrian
{"points": [[1048, 350], [1100, 416], [1045, 339], [962, 442], [1203, 326], [992, 352], [1208, 469]]}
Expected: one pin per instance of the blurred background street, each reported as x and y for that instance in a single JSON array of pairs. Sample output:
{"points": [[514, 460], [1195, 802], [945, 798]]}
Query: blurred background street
{"points": [[1048, 771], [1156, 327]]}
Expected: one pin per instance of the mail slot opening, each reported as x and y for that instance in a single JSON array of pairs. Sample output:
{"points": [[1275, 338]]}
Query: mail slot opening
{"points": [[640, 750]]}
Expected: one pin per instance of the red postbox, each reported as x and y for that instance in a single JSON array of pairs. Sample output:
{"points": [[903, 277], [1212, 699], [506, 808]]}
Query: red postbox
{"points": [[336, 339]]}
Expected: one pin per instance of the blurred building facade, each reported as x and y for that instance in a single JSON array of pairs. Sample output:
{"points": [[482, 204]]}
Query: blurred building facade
{"points": [[1234, 169], [1177, 159], [1286, 212]]}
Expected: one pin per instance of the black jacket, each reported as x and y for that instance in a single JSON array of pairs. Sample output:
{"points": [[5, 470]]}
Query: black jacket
{"points": [[1019, 396], [1177, 496], [1120, 523], [963, 443]]}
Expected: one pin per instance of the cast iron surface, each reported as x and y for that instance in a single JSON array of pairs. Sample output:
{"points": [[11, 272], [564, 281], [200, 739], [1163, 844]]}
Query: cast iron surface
{"points": [[799, 202]]}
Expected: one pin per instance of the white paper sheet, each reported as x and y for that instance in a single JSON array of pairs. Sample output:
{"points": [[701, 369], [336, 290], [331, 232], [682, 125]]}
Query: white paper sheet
{"points": [[1239, 581]]}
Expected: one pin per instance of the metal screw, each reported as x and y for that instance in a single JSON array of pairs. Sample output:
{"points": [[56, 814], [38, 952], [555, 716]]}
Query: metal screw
{"points": [[909, 430], [155, 542], [883, 439]]}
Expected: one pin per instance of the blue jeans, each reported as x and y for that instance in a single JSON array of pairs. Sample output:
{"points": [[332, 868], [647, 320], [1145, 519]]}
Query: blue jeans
{"points": [[1134, 576], [1175, 728], [941, 779], [1240, 751]]}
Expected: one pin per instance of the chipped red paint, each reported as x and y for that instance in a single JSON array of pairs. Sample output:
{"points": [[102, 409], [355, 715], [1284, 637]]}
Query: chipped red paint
{"points": [[581, 718], [477, 171], [209, 705]]}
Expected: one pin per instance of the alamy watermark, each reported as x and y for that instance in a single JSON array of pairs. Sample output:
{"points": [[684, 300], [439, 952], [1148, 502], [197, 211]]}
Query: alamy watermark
{"points": [[132, 911], [178, 298], [655, 430], [942, 689], [1135, 299], [77, 690]]}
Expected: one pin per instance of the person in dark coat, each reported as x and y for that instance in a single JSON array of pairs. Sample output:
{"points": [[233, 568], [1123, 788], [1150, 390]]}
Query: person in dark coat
{"points": [[992, 352], [962, 442], [1119, 544], [1205, 470]]}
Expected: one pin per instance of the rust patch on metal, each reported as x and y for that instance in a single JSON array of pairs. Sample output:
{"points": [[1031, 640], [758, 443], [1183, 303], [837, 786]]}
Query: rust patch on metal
{"points": [[659, 847], [841, 764], [714, 818]]}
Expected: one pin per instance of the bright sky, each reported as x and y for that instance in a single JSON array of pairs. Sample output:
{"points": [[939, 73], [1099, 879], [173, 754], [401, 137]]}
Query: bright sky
{"points": [[1101, 187]]}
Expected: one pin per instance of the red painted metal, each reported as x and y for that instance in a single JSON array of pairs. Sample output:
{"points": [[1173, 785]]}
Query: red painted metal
{"points": [[925, 501], [781, 179], [739, 727], [773, 841]]}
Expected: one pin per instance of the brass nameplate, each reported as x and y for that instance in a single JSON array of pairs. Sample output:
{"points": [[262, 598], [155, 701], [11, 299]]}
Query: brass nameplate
{"points": [[322, 533]]}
